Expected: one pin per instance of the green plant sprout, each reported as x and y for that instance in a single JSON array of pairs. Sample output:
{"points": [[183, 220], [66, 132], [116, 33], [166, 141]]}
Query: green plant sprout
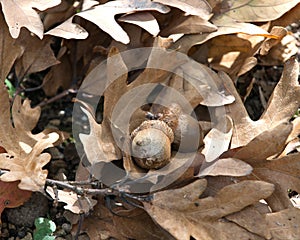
{"points": [[10, 88], [44, 228]]}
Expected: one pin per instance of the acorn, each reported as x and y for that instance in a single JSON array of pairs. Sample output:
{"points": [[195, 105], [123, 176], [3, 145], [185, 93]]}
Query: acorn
{"points": [[151, 144], [188, 135], [152, 140]]}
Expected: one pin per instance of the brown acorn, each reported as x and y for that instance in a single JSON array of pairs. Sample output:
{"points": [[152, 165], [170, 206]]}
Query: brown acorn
{"points": [[152, 140], [151, 144], [187, 131]]}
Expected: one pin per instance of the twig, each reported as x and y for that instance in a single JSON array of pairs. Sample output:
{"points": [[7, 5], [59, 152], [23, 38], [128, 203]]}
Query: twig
{"points": [[57, 97]]}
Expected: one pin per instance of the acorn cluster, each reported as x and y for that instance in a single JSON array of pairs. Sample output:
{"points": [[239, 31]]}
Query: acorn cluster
{"points": [[170, 129]]}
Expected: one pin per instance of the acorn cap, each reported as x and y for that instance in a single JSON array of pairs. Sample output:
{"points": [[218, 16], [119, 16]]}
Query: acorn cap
{"points": [[157, 124]]}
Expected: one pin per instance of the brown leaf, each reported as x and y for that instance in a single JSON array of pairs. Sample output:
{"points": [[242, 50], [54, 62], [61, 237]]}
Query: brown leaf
{"points": [[225, 26], [104, 15], [183, 214], [127, 223], [9, 50], [28, 167], [115, 74], [282, 104], [284, 173], [192, 7], [269, 43], [230, 53], [226, 167], [284, 224], [23, 15], [68, 30], [11, 196], [253, 220], [18, 138], [143, 19], [266, 144], [59, 75], [76, 204], [217, 140], [98, 146], [23, 158], [188, 25], [257, 10], [198, 84], [288, 18], [33, 60]]}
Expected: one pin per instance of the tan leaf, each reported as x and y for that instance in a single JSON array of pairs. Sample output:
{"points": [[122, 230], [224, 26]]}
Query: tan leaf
{"points": [[143, 19], [68, 30], [28, 167], [24, 15], [286, 48], [283, 172], [9, 50], [104, 15], [183, 214], [188, 25], [266, 144], [253, 220], [282, 104], [284, 224], [226, 167], [192, 7], [269, 43], [198, 84], [288, 18], [11, 196], [18, 138], [59, 75], [24, 158], [99, 147], [230, 53], [217, 140], [33, 60], [225, 26], [257, 10], [76, 204], [128, 223]]}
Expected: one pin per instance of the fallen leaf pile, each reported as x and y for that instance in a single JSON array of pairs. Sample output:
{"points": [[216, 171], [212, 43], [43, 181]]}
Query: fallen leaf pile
{"points": [[138, 57]]}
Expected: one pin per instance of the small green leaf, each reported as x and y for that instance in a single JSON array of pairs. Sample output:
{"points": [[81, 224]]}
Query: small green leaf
{"points": [[10, 87], [44, 229]]}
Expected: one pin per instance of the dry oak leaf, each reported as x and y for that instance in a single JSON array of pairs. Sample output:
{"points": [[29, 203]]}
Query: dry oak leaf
{"points": [[282, 105], [68, 30], [143, 19], [11, 196], [128, 223], [284, 224], [225, 26], [276, 225], [284, 172], [256, 10], [27, 167], [191, 7], [9, 50], [21, 13], [18, 138], [114, 75], [76, 204], [188, 25], [34, 60], [104, 15], [23, 158], [183, 214]]}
